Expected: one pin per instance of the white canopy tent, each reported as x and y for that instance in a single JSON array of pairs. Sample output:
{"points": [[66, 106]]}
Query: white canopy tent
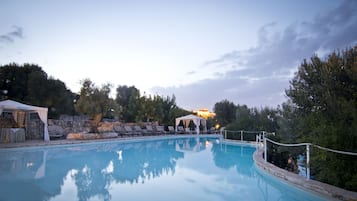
{"points": [[195, 119], [9, 105]]}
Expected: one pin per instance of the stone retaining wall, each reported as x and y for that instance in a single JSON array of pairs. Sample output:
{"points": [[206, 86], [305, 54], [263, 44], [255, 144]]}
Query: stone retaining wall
{"points": [[82, 124], [68, 124]]}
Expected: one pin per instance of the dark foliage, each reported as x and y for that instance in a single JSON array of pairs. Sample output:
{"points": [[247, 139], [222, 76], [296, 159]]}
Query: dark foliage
{"points": [[29, 84], [324, 94]]}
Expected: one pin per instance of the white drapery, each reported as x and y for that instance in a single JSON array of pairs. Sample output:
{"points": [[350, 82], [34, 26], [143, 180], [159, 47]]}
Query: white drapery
{"points": [[43, 117], [19, 117], [16, 106], [198, 121]]}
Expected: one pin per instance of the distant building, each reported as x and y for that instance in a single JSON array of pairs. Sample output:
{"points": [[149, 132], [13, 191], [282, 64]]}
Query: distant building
{"points": [[204, 113]]}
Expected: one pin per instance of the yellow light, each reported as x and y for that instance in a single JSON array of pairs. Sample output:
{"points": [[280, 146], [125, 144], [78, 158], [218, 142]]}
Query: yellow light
{"points": [[217, 126], [205, 113], [207, 143]]}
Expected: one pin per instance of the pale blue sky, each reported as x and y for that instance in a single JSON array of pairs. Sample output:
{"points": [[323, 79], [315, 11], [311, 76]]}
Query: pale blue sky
{"points": [[202, 51]]}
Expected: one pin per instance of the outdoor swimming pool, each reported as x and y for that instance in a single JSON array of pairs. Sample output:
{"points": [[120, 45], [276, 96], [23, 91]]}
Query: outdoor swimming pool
{"points": [[181, 169]]}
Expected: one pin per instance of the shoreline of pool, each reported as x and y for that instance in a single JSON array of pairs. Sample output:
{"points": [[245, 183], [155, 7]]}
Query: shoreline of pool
{"points": [[324, 189], [37, 143]]}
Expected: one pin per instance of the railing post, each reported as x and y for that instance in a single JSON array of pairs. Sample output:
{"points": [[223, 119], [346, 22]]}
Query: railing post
{"points": [[256, 141], [241, 136], [260, 140], [265, 149], [225, 134], [308, 161]]}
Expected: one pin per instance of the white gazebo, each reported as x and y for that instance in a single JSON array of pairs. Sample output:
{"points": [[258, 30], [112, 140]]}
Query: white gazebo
{"points": [[14, 107], [195, 119]]}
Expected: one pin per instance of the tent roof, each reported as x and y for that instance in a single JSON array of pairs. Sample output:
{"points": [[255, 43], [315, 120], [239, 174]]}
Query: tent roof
{"points": [[190, 116], [13, 105]]}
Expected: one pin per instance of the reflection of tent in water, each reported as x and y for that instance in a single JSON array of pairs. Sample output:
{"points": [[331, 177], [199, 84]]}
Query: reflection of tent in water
{"points": [[26, 171], [189, 145], [41, 170], [91, 167], [25, 165]]}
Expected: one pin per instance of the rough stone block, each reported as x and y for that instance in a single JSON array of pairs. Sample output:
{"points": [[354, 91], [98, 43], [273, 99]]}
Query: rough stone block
{"points": [[81, 136], [105, 127]]}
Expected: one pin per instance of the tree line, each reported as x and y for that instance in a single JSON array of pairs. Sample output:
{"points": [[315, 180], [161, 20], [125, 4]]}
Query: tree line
{"points": [[129, 105], [29, 84], [323, 97], [321, 109]]}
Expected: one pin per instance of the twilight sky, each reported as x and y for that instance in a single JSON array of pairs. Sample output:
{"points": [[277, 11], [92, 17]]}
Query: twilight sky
{"points": [[203, 51]]}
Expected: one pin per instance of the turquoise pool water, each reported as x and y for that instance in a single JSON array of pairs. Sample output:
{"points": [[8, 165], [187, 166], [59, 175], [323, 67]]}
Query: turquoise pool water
{"points": [[182, 169]]}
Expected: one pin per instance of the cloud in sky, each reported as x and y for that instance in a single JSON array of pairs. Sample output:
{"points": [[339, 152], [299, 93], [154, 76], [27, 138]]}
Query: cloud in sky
{"points": [[10, 37], [259, 76]]}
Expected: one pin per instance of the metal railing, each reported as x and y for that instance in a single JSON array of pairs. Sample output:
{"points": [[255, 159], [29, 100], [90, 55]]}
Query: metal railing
{"points": [[308, 145], [261, 142], [242, 133]]}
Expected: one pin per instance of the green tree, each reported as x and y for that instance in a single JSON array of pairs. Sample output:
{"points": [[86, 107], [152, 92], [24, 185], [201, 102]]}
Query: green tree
{"points": [[253, 119], [136, 108], [94, 100], [146, 109], [171, 110], [13, 80], [151, 108], [61, 99], [325, 99], [29, 84], [243, 120], [166, 110], [225, 112], [267, 119], [288, 122], [128, 99]]}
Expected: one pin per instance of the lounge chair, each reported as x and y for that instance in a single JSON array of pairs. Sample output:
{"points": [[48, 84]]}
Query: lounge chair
{"points": [[160, 130], [150, 130], [171, 130], [56, 136], [138, 130], [188, 131], [212, 130], [129, 131], [180, 130]]}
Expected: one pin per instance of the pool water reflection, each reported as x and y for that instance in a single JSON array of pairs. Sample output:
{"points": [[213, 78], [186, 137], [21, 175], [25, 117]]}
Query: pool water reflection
{"points": [[166, 169]]}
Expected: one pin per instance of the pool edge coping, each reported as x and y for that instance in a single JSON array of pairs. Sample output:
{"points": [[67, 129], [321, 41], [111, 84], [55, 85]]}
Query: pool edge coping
{"points": [[41, 143], [301, 182]]}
